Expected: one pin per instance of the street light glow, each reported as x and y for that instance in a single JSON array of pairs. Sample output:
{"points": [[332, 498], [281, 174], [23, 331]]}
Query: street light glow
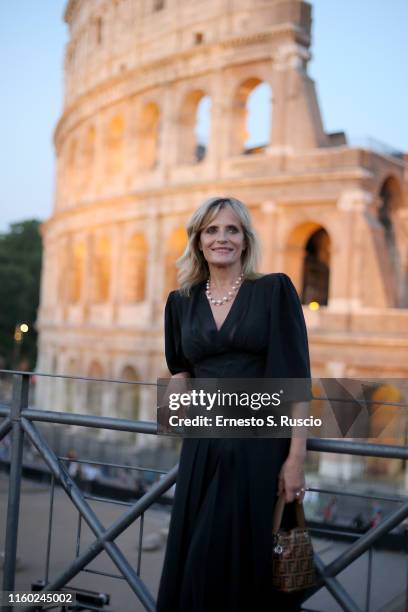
{"points": [[24, 327]]}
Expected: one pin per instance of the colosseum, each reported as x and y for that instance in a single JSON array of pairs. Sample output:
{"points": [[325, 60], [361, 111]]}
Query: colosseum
{"points": [[132, 165]]}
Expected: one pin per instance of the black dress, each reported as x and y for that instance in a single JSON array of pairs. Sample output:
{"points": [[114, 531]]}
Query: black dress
{"points": [[219, 547]]}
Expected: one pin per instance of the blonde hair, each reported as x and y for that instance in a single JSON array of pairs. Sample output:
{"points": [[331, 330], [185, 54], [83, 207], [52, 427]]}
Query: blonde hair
{"points": [[192, 265]]}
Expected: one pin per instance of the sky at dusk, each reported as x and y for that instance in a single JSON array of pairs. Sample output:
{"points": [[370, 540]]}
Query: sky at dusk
{"points": [[360, 54]]}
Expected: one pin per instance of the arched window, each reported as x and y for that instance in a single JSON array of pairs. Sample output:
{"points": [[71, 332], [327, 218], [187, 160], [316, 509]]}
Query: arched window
{"points": [[194, 127], [101, 267], [316, 268], [202, 128], [251, 117], [149, 137], [390, 202], [128, 395], [390, 198], [128, 400], [114, 145], [175, 247], [135, 269]]}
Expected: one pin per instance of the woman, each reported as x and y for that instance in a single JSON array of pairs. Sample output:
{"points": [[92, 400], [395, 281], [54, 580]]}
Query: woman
{"points": [[229, 321]]}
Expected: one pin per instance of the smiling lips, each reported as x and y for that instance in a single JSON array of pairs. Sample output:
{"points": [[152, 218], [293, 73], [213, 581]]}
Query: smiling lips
{"points": [[222, 250]]}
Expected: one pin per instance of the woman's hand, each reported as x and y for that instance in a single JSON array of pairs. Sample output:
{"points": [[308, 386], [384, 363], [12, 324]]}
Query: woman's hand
{"points": [[292, 479]]}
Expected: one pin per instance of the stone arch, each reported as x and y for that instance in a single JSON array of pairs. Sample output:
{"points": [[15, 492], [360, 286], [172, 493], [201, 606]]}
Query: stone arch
{"points": [[193, 138], [307, 262], [175, 246], [390, 202], [245, 137], [76, 272], [114, 140], [149, 137], [101, 267], [135, 269], [94, 390], [202, 127], [259, 118], [128, 396], [316, 268]]}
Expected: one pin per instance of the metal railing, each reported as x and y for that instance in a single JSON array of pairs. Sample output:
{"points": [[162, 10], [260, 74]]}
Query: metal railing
{"points": [[19, 420], [373, 144]]}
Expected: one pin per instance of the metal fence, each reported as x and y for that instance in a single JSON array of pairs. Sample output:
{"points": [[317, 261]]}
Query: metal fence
{"points": [[21, 421]]}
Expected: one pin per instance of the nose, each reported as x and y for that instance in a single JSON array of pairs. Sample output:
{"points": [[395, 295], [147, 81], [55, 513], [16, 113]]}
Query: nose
{"points": [[222, 237]]}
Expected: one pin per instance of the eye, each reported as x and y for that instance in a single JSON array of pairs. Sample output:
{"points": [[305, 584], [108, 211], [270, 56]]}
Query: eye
{"points": [[211, 229], [233, 229]]}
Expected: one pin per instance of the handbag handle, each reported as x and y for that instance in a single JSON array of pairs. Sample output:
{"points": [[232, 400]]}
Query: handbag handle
{"points": [[278, 513]]}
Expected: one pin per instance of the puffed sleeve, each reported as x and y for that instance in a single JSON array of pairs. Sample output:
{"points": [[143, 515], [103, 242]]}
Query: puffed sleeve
{"points": [[288, 351], [176, 361]]}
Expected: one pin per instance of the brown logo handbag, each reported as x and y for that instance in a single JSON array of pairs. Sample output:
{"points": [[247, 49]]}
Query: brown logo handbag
{"points": [[293, 567]]}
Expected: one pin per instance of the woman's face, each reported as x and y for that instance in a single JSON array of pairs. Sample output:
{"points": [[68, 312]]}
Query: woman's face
{"points": [[222, 239]]}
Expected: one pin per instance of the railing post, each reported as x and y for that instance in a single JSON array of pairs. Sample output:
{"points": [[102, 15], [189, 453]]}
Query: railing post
{"points": [[20, 401]]}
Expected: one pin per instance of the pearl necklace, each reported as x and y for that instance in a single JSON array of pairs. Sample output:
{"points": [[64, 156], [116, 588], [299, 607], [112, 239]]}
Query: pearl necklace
{"points": [[226, 298]]}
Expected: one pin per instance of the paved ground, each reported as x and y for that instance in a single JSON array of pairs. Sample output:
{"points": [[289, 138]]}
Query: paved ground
{"points": [[389, 569], [32, 544]]}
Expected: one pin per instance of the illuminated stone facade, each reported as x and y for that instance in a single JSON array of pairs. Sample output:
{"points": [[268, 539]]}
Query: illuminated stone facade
{"points": [[130, 170]]}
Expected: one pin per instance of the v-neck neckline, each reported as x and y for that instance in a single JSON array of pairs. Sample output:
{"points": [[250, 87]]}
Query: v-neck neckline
{"points": [[213, 321]]}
